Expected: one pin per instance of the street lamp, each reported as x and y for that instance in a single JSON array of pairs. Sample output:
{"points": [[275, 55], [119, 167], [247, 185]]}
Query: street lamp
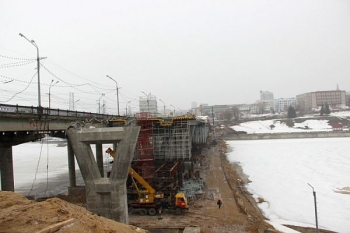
{"points": [[51, 85], [147, 100], [99, 103], [117, 88], [38, 67], [163, 104], [314, 193], [174, 109], [74, 104]]}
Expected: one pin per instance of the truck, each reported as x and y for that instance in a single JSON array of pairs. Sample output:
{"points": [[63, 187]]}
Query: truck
{"points": [[149, 201]]}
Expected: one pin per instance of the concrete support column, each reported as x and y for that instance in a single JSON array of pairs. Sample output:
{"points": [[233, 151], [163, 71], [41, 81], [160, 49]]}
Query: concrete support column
{"points": [[105, 196], [71, 165], [6, 167], [99, 158]]}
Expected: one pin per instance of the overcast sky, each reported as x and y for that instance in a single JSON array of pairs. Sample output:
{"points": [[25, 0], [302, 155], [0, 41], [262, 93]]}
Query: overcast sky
{"points": [[214, 52]]}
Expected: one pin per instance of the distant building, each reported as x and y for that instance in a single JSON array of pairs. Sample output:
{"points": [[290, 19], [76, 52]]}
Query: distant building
{"points": [[348, 98], [282, 105], [266, 95], [148, 103], [266, 102], [308, 101]]}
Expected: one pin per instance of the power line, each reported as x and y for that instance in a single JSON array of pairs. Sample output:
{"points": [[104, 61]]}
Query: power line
{"points": [[20, 91]]}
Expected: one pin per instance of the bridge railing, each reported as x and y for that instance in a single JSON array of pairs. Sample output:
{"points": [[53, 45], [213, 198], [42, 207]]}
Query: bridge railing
{"points": [[17, 109]]}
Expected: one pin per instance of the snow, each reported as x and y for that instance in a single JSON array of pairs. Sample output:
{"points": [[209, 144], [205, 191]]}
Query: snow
{"points": [[41, 169], [281, 170], [256, 127]]}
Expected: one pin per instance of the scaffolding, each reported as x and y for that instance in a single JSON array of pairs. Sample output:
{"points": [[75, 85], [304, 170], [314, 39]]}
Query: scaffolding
{"points": [[172, 142], [163, 154], [143, 162]]}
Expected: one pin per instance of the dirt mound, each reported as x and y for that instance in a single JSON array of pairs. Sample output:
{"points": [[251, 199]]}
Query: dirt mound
{"points": [[18, 214]]}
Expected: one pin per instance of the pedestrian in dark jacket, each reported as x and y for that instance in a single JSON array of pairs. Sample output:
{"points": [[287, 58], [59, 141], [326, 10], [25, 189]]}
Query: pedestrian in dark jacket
{"points": [[219, 203]]}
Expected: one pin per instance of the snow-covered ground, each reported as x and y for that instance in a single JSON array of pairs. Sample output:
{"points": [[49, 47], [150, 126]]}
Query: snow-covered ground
{"points": [[280, 171], [256, 127], [264, 126]]}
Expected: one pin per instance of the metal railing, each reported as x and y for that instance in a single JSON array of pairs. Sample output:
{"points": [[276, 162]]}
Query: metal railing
{"points": [[17, 109]]}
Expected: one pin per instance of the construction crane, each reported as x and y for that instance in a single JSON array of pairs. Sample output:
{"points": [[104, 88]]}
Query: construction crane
{"points": [[149, 200]]}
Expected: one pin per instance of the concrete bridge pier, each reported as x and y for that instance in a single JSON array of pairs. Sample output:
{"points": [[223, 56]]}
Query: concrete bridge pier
{"points": [[105, 196], [71, 166], [6, 168]]}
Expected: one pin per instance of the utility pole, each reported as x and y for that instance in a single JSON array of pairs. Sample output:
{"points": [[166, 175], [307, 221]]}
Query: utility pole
{"points": [[38, 67], [117, 88], [51, 85]]}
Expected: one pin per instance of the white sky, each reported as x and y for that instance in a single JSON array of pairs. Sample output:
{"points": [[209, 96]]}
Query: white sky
{"points": [[215, 52]]}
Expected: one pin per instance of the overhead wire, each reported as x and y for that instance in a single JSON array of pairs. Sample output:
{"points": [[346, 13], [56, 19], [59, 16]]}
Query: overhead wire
{"points": [[97, 90], [20, 91], [15, 64], [36, 170]]}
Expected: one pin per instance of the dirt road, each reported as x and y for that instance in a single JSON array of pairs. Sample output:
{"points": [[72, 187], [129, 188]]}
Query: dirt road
{"points": [[238, 212]]}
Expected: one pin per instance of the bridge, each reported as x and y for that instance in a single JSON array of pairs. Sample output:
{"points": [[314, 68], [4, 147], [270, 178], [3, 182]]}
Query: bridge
{"points": [[162, 139], [21, 124]]}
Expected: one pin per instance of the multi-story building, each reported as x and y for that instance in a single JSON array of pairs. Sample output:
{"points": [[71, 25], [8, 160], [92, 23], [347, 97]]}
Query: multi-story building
{"points": [[148, 104], [282, 105], [266, 95], [308, 101], [266, 102], [348, 98]]}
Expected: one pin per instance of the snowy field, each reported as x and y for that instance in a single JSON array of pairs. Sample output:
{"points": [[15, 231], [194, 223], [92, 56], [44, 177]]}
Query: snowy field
{"points": [[256, 127], [280, 171]]}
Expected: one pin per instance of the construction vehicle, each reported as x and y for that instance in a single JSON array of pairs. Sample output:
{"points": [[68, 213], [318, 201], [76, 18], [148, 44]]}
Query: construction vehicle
{"points": [[149, 201]]}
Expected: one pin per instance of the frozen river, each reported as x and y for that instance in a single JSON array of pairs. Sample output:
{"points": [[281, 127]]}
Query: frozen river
{"points": [[280, 171]]}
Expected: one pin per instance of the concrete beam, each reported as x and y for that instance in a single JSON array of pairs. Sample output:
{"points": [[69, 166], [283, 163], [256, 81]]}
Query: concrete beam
{"points": [[105, 196]]}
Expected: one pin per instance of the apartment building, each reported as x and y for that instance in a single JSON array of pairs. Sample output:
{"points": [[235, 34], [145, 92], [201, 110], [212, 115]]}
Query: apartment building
{"points": [[312, 100], [282, 104]]}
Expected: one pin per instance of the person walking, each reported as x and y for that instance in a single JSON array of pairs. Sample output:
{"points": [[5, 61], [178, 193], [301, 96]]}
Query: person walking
{"points": [[219, 203]]}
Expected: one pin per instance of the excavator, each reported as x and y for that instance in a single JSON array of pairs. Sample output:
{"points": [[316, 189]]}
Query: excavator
{"points": [[149, 200]]}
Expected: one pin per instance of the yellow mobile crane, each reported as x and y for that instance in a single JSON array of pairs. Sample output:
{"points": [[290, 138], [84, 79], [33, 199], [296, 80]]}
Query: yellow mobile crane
{"points": [[149, 200]]}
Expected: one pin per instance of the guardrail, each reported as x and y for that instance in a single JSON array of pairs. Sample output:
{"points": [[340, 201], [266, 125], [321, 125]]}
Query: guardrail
{"points": [[17, 109]]}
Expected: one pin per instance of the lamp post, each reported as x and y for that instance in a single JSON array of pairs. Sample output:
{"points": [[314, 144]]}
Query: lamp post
{"points": [[163, 104], [117, 88], [174, 109], [74, 104], [147, 100], [99, 103], [314, 193], [51, 85], [38, 67]]}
